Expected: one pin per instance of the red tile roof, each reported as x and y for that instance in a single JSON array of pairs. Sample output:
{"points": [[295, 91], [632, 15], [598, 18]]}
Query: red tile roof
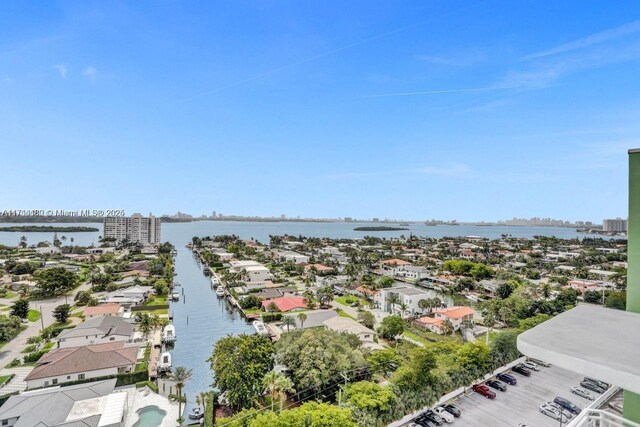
{"points": [[100, 310], [395, 261], [286, 303], [455, 312]]}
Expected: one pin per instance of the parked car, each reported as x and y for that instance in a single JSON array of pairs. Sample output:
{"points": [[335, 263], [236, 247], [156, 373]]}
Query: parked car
{"points": [[444, 414], [414, 425], [434, 418], [484, 390], [422, 421], [498, 385], [509, 379], [540, 362], [592, 386], [551, 411], [530, 365], [582, 393], [452, 410], [567, 405], [521, 370], [602, 384]]}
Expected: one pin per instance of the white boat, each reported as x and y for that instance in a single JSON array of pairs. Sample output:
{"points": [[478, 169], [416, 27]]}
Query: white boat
{"points": [[169, 334], [175, 296], [214, 281], [261, 329], [164, 364], [220, 291]]}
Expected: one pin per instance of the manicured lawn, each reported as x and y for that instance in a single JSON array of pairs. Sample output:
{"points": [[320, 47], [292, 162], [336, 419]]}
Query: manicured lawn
{"points": [[156, 311], [348, 300], [4, 379], [156, 300], [34, 315], [342, 313], [252, 310]]}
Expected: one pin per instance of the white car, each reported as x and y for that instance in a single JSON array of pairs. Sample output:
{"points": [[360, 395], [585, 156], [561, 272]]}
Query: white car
{"points": [[550, 410], [444, 414], [582, 393], [529, 364], [540, 362]]}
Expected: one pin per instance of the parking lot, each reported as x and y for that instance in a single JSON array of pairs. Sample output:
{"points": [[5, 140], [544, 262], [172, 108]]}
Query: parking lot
{"points": [[519, 404]]}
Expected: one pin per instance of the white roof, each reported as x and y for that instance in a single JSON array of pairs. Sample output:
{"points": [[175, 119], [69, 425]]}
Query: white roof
{"points": [[113, 409]]}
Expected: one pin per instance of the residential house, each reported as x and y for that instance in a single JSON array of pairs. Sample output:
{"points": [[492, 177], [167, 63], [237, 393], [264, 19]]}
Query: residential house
{"points": [[98, 330], [347, 325], [84, 405], [102, 310], [456, 315], [284, 304], [253, 270], [407, 295], [80, 363], [48, 250]]}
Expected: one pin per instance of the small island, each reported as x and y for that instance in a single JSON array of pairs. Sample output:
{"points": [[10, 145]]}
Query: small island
{"points": [[380, 228], [47, 229]]}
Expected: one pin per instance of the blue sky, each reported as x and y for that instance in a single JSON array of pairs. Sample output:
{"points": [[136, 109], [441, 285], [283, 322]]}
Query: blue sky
{"points": [[470, 110]]}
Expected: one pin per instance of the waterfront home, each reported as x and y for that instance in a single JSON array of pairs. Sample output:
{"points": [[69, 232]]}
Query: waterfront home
{"points": [[347, 325], [456, 315], [100, 251], [272, 293], [315, 318], [406, 295], [394, 262], [284, 304], [254, 272], [128, 297], [91, 404], [103, 310], [98, 330], [81, 363]]}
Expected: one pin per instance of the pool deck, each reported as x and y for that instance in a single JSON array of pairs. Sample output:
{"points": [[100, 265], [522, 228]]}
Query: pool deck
{"points": [[141, 397]]}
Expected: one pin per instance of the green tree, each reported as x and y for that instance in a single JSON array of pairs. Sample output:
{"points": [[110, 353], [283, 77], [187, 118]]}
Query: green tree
{"points": [[310, 414], [62, 312], [239, 365], [489, 319], [370, 402], [20, 308], [617, 300], [284, 385], [289, 322], [180, 376], [270, 384], [367, 319], [592, 297], [391, 327], [318, 356], [504, 349], [447, 327], [386, 282], [55, 281], [302, 317]]}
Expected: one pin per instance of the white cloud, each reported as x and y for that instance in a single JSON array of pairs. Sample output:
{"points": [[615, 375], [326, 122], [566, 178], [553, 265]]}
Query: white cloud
{"points": [[590, 40], [90, 73], [62, 69]]}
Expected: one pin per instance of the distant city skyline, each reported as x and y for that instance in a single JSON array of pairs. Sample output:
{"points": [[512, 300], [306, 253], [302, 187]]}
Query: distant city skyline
{"points": [[330, 109]]}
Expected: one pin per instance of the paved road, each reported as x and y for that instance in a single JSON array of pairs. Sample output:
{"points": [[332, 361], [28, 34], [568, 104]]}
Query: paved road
{"points": [[12, 350]]}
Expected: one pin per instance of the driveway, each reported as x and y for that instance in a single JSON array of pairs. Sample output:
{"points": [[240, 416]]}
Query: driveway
{"points": [[17, 383]]}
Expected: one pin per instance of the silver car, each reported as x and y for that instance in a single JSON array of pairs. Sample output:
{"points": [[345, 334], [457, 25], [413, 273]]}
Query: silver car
{"points": [[550, 410], [530, 365], [582, 393]]}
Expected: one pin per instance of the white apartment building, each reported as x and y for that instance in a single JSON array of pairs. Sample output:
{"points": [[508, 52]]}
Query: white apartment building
{"points": [[254, 271], [615, 225], [135, 228]]}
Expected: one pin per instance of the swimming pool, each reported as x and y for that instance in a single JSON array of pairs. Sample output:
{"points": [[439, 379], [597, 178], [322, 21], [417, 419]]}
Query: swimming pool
{"points": [[150, 416]]}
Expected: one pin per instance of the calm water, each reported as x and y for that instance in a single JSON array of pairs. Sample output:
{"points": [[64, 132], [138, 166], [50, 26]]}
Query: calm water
{"points": [[150, 416], [261, 231], [201, 318]]}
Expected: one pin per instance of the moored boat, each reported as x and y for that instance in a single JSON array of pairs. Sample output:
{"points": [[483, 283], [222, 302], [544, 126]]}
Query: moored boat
{"points": [[169, 334], [220, 291]]}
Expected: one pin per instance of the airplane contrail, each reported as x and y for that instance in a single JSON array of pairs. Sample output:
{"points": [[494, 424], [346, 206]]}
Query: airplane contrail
{"points": [[442, 91], [330, 52]]}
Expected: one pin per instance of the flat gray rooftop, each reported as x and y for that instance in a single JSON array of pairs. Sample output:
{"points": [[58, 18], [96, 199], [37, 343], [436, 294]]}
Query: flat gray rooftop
{"points": [[591, 340]]}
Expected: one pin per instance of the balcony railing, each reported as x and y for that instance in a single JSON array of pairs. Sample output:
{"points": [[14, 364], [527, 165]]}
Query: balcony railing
{"points": [[600, 418]]}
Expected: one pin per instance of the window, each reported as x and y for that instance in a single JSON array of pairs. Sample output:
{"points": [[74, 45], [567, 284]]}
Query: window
{"points": [[5, 422], [80, 376], [68, 377], [46, 383], [54, 381], [112, 339]]}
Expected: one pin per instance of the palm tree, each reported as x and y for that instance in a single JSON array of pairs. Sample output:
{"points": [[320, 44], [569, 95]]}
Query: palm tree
{"points": [[270, 384], [489, 321], [289, 321], [302, 317], [393, 299], [403, 308], [284, 385], [180, 376], [424, 304], [447, 327], [436, 302]]}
